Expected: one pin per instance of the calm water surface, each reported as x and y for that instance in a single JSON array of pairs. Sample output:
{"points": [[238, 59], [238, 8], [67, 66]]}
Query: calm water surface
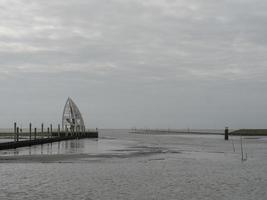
{"points": [[83, 146]]}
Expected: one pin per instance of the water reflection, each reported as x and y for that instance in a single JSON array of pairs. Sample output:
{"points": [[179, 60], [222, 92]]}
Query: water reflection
{"points": [[92, 146]]}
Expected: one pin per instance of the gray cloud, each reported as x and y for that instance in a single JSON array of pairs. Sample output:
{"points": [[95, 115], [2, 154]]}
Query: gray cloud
{"points": [[130, 63]]}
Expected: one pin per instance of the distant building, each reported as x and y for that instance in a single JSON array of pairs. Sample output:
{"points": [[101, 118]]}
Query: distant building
{"points": [[72, 119]]}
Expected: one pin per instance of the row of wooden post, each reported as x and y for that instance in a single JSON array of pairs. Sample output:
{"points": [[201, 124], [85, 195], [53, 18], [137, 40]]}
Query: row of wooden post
{"points": [[49, 130]]}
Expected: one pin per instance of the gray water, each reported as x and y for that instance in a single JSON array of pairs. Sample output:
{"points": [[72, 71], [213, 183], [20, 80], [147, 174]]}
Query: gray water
{"points": [[120, 165], [83, 146]]}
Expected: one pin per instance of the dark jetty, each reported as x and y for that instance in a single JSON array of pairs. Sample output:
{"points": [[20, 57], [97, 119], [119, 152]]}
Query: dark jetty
{"points": [[38, 141]]}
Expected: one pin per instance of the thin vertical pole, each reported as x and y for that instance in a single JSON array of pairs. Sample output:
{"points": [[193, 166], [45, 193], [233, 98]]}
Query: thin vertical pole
{"points": [[15, 131], [47, 132], [241, 146], [42, 130], [35, 132], [58, 130], [226, 133], [51, 130], [17, 139], [30, 127]]}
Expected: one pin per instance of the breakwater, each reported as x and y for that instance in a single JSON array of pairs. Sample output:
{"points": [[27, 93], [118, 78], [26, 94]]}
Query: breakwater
{"points": [[179, 131], [238, 132], [250, 132]]}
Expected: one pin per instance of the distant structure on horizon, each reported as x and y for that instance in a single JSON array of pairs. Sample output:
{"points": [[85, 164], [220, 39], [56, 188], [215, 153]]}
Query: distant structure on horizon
{"points": [[72, 118]]}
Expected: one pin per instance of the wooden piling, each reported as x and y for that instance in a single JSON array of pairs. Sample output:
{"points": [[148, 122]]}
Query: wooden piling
{"points": [[58, 130], [51, 130], [30, 129], [226, 133], [35, 133], [48, 132], [42, 130], [17, 135], [15, 131]]}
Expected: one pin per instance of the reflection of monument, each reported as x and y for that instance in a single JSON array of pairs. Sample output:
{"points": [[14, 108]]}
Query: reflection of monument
{"points": [[72, 118]]}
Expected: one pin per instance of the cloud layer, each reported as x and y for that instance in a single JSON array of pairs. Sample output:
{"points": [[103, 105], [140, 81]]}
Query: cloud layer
{"points": [[120, 49]]}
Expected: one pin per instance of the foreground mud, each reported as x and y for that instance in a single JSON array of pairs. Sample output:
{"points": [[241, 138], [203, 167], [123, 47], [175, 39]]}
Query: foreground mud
{"points": [[139, 167]]}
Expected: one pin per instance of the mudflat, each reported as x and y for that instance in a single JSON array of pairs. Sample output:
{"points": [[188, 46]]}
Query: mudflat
{"points": [[122, 165]]}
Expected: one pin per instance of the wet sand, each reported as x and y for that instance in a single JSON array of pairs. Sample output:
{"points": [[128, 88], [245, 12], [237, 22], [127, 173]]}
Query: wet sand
{"points": [[140, 167]]}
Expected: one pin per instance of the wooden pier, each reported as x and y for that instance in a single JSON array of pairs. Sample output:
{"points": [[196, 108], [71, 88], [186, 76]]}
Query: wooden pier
{"points": [[54, 138], [73, 127]]}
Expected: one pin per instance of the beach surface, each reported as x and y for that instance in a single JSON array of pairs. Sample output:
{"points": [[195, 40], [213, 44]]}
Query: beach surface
{"points": [[123, 165]]}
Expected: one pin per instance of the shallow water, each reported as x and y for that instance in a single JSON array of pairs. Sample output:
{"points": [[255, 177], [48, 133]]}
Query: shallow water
{"points": [[83, 146], [2, 140], [129, 166]]}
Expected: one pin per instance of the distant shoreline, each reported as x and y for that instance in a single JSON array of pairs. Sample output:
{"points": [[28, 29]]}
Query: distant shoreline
{"points": [[237, 132], [243, 132]]}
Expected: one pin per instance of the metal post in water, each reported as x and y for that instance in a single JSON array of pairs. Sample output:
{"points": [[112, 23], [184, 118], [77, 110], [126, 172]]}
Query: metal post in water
{"points": [[17, 139], [35, 132], [58, 130], [51, 130], [15, 131], [226, 133], [30, 129], [42, 130]]}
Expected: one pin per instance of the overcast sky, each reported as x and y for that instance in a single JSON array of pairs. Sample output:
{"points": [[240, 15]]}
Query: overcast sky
{"points": [[135, 63]]}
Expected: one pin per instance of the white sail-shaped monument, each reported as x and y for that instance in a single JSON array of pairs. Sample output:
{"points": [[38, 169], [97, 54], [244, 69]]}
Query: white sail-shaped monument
{"points": [[72, 118]]}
